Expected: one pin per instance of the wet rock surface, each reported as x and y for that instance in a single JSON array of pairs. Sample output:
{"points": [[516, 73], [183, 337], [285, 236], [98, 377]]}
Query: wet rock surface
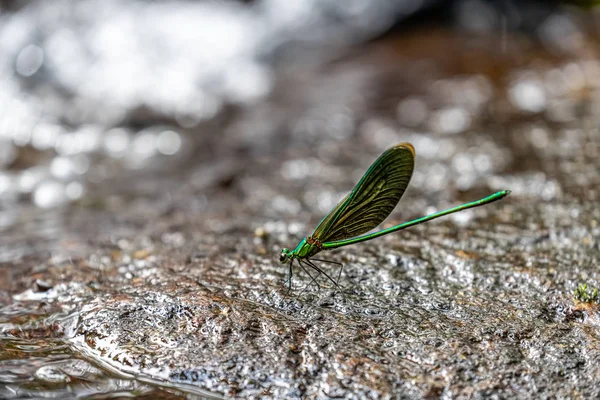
{"points": [[163, 282]]}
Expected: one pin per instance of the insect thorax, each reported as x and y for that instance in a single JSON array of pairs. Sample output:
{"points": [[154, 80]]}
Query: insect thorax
{"points": [[315, 242], [308, 247]]}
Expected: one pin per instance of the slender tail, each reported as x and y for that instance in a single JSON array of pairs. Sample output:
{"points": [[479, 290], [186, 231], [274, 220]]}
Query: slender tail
{"points": [[486, 200]]}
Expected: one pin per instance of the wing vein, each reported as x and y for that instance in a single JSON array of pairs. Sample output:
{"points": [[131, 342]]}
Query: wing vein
{"points": [[372, 199]]}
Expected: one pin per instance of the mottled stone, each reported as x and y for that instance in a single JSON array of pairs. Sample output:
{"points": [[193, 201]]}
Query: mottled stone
{"points": [[170, 276]]}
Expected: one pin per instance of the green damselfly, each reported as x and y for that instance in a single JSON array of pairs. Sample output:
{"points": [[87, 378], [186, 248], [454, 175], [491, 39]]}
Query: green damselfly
{"points": [[365, 207]]}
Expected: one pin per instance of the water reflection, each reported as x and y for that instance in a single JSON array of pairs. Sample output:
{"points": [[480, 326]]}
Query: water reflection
{"points": [[70, 74]]}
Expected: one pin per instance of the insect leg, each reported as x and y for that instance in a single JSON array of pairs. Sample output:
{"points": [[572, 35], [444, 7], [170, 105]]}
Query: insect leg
{"points": [[322, 272], [332, 262], [290, 277], [311, 277]]}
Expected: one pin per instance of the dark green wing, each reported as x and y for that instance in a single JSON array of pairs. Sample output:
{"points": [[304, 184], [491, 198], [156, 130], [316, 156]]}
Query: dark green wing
{"points": [[372, 199]]}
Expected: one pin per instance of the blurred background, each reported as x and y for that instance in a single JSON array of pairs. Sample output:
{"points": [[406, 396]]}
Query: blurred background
{"points": [[107, 103]]}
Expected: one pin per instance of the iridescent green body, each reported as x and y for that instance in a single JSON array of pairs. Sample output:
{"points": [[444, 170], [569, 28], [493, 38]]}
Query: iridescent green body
{"points": [[365, 207], [305, 249]]}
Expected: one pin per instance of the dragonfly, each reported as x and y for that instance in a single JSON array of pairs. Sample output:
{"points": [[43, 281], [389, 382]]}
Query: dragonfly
{"points": [[364, 208]]}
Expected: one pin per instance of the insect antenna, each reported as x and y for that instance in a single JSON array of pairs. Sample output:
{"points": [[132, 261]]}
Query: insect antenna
{"points": [[331, 262], [315, 267]]}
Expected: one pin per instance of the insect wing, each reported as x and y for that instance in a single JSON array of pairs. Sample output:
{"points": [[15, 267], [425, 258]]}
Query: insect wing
{"points": [[372, 199]]}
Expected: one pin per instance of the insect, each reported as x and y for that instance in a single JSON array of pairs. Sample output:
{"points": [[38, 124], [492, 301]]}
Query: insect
{"points": [[365, 207]]}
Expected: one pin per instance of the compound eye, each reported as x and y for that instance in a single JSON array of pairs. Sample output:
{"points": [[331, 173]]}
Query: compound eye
{"points": [[282, 257]]}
